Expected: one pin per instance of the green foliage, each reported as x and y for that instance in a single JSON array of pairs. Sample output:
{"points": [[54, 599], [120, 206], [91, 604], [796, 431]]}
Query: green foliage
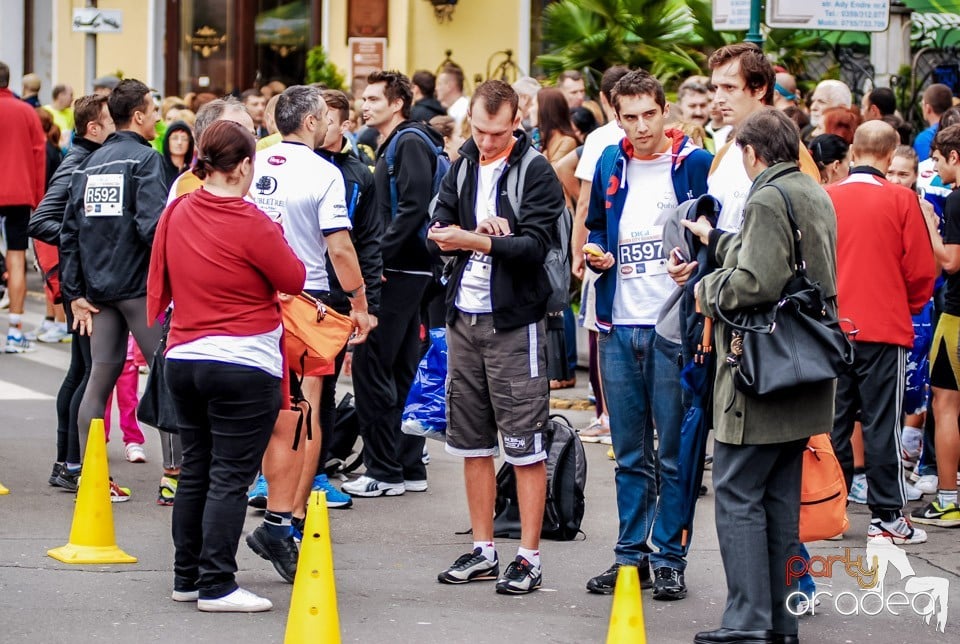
{"points": [[320, 69], [592, 35]]}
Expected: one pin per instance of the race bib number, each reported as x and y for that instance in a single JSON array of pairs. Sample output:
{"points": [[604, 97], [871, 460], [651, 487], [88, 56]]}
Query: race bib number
{"points": [[479, 266], [642, 253], [103, 195]]}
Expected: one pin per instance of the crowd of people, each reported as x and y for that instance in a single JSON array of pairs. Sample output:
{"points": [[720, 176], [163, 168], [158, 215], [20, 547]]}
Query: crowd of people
{"points": [[185, 222]]}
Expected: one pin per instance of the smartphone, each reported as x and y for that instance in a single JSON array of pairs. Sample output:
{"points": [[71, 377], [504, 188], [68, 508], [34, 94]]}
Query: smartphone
{"points": [[592, 249], [677, 255]]}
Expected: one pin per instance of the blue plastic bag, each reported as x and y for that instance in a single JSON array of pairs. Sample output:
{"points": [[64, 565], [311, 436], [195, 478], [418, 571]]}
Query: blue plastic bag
{"points": [[425, 413]]}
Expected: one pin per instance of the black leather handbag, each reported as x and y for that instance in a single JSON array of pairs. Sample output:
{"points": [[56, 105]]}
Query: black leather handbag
{"points": [[156, 407], [795, 341]]}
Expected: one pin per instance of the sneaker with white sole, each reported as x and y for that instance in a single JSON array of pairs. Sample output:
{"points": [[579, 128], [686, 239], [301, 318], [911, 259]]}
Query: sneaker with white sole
{"points": [[134, 453], [858, 489], [239, 601], [596, 431], [927, 484], [18, 343], [520, 577], [366, 486], [45, 326], [334, 497], [899, 531], [119, 494], [185, 595], [57, 333], [913, 492], [943, 516], [472, 566], [415, 486]]}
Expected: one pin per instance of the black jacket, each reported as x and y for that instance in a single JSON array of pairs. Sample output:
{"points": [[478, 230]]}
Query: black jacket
{"points": [[170, 170], [106, 258], [519, 286], [367, 227], [47, 219], [425, 109], [402, 245]]}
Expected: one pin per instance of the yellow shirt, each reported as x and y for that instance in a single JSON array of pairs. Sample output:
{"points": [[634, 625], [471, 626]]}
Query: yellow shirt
{"points": [[63, 118], [269, 140]]}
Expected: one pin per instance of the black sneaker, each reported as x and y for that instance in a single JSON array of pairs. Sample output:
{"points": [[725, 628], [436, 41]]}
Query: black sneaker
{"points": [[54, 474], [605, 582], [668, 584], [472, 566], [68, 480], [282, 553], [520, 577]]}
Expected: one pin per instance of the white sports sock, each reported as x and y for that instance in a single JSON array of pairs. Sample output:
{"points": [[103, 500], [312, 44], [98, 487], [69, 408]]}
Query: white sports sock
{"points": [[946, 497], [486, 549], [14, 319], [533, 556]]}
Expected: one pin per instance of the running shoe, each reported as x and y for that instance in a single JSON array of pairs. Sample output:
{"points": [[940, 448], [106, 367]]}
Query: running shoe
{"points": [[282, 553], [943, 516], [45, 326], [134, 453], [57, 467], [335, 498], [595, 431], [119, 494], [472, 566], [858, 489], [520, 577], [68, 479], [257, 497], [18, 343], [370, 487], [899, 531], [168, 490], [57, 333]]}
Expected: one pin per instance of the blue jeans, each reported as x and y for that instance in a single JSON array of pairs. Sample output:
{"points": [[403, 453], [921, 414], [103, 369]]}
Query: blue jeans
{"points": [[641, 374]]}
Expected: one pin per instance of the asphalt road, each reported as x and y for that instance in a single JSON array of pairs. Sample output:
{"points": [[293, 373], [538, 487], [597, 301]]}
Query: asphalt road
{"points": [[387, 552]]}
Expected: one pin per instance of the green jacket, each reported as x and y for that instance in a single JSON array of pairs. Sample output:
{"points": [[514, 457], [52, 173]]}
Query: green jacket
{"points": [[759, 260]]}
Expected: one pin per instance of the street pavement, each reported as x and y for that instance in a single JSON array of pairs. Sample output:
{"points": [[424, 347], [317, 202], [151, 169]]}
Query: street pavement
{"points": [[387, 553]]}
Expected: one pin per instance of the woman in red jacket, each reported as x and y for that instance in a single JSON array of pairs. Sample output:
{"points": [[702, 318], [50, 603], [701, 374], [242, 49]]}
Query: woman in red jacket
{"points": [[223, 262]]}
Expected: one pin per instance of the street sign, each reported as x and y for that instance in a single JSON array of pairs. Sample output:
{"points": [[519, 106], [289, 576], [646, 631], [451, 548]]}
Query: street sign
{"points": [[90, 20], [367, 55], [731, 15], [832, 15]]}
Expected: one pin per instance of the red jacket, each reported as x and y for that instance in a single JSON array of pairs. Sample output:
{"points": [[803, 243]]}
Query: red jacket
{"points": [[885, 263], [223, 261], [23, 154]]}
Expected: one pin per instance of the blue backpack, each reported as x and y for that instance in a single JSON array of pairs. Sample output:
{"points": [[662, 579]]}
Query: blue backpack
{"points": [[443, 164]]}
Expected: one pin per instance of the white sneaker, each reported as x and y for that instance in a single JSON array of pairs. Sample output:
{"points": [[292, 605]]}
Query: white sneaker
{"points": [[45, 326], [913, 492], [57, 333], [370, 487], [858, 489], [185, 595], [134, 453], [899, 531], [239, 601], [18, 343], [927, 484], [415, 486]]}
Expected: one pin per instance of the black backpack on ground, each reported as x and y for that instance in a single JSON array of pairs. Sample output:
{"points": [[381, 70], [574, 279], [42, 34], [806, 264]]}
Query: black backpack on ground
{"points": [[566, 480]]}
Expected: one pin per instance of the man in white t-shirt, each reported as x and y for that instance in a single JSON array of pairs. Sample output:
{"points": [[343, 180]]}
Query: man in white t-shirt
{"points": [[637, 186], [450, 94], [305, 194]]}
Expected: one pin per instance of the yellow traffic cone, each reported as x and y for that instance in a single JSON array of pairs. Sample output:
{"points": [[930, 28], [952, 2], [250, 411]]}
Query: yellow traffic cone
{"points": [[92, 540], [3, 490], [626, 619], [313, 606]]}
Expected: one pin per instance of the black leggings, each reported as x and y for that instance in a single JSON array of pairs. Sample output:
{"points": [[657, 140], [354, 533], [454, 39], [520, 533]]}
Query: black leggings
{"points": [[70, 394], [108, 351]]}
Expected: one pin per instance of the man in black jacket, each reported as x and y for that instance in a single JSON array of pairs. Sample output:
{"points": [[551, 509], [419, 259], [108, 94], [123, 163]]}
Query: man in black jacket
{"points": [[496, 301], [385, 364], [425, 103], [115, 201], [93, 126]]}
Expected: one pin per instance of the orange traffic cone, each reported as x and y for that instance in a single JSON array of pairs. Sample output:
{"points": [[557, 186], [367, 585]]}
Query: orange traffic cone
{"points": [[3, 490], [92, 540], [626, 618], [313, 613]]}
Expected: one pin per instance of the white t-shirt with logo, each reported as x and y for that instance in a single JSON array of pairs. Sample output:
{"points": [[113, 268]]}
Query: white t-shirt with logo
{"points": [[473, 296], [643, 284], [305, 193], [730, 184]]}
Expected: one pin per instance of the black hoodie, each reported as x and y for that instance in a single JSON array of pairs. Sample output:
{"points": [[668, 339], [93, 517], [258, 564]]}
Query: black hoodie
{"points": [[171, 171], [402, 246], [425, 109]]}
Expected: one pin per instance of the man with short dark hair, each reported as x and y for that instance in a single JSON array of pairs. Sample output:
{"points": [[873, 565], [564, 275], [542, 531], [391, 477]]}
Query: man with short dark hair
{"points": [[384, 366], [23, 161], [425, 103], [256, 106], [937, 99], [894, 264], [693, 102], [878, 103], [116, 199], [496, 303], [571, 83], [636, 188]]}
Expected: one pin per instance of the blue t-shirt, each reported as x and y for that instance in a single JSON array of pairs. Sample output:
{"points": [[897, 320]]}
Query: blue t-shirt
{"points": [[923, 142]]}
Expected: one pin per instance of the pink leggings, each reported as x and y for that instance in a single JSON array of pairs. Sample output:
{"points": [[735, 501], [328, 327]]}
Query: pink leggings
{"points": [[127, 400]]}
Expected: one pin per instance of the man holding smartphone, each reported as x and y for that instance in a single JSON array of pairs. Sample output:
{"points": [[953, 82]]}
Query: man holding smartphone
{"points": [[637, 186]]}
